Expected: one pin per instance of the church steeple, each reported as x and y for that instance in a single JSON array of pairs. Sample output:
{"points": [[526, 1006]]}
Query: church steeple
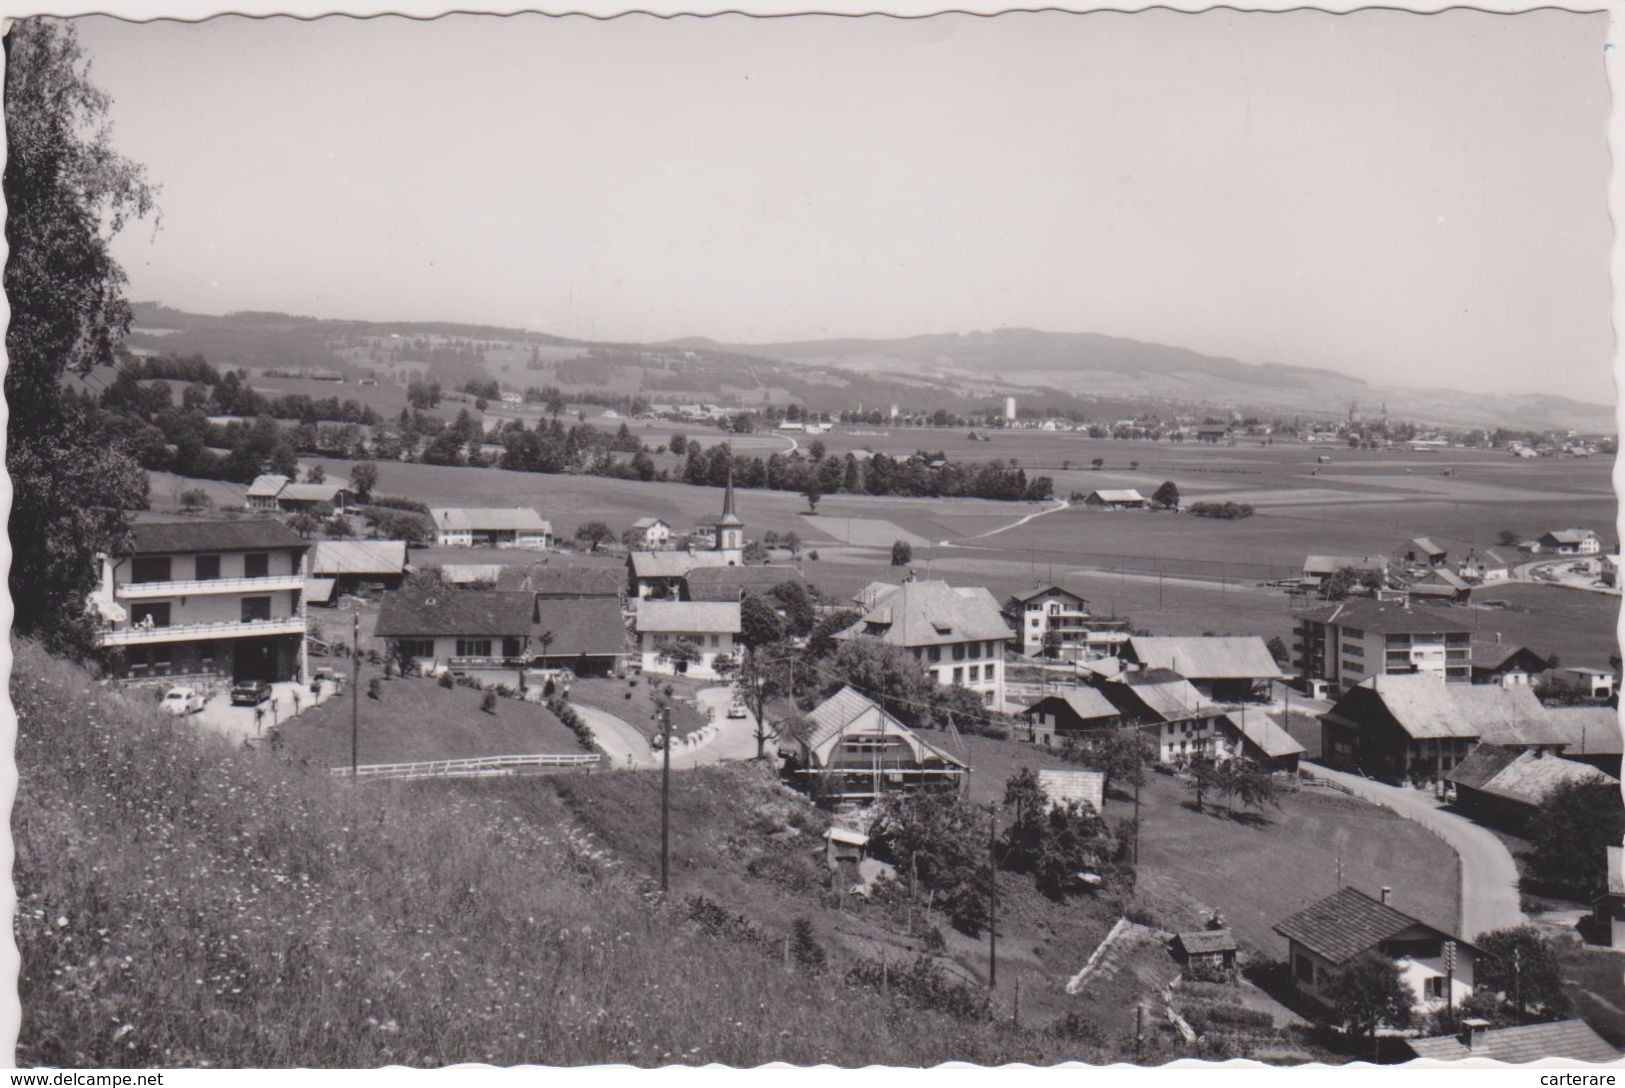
{"points": [[730, 530]]}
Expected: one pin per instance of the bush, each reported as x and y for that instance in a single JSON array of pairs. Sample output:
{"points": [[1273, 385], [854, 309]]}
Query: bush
{"points": [[488, 702], [902, 553], [1234, 1019], [375, 688], [813, 555], [446, 681], [1229, 511], [804, 946], [923, 984], [566, 713]]}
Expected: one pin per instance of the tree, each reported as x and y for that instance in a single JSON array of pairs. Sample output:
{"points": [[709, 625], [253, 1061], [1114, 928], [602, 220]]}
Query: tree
{"points": [[1367, 993], [1523, 966], [758, 623], [1205, 778], [1248, 783], [1023, 793], [791, 542], [902, 553], [800, 614], [763, 675], [590, 534], [1120, 753], [885, 673], [821, 639], [1278, 650], [1167, 495], [316, 474], [363, 478], [677, 443], [1506, 538], [1052, 643], [812, 495], [941, 841], [1098, 463], [195, 499], [1569, 834], [67, 194], [304, 523]]}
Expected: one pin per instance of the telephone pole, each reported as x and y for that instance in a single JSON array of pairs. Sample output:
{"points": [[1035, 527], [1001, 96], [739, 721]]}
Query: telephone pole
{"points": [[665, 799], [355, 693], [992, 897]]}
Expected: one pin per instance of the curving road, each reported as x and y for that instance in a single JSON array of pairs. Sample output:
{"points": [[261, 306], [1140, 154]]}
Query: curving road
{"points": [[1489, 877], [623, 745]]}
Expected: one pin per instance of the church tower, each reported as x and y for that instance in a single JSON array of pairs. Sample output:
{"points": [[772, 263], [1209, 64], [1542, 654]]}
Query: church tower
{"points": [[730, 530]]}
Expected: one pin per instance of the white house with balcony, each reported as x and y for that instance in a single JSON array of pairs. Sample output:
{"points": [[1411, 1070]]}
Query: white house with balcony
{"points": [[1050, 608], [205, 599]]}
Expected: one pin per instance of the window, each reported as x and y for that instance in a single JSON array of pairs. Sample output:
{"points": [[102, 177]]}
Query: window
{"points": [[150, 614], [255, 609], [716, 640], [1304, 968], [1037, 622], [207, 568], [987, 700], [934, 653], [1354, 651], [415, 647], [473, 647], [959, 676], [975, 650], [510, 647], [975, 673], [1352, 666], [1353, 632], [1433, 988], [959, 651], [150, 569], [256, 565]]}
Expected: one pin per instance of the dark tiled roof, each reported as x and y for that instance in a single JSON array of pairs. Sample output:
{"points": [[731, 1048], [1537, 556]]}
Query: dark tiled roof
{"points": [[1345, 924], [1383, 616], [727, 583], [1481, 765], [589, 625], [1526, 1043], [1204, 941], [449, 612], [560, 581], [245, 534]]}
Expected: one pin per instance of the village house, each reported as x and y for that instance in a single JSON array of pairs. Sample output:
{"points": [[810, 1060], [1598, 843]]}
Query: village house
{"points": [[1422, 552], [661, 574], [853, 750], [957, 633], [1167, 709], [1256, 737], [707, 628], [262, 493], [1590, 734], [1505, 663], [552, 582], [1417, 729], [1071, 714], [1484, 568], [1594, 683], [1318, 568], [1517, 1045], [1228, 668], [205, 599], [1608, 908], [652, 533], [1568, 542], [501, 527], [435, 628], [351, 566], [1122, 498], [1348, 642], [1505, 786], [309, 498], [586, 635], [1049, 607], [1327, 936], [1440, 584]]}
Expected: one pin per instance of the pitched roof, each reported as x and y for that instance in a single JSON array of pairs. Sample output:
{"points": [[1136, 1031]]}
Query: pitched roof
{"points": [[1494, 655], [1208, 658], [870, 595], [1345, 924], [1165, 693], [1426, 546], [689, 617], [489, 519], [1526, 778], [1432, 579], [588, 625], [1328, 564], [1588, 730], [1116, 494], [266, 486], [1265, 734], [1048, 587], [1385, 617], [1206, 941], [1569, 536], [439, 611], [727, 583], [332, 557], [1086, 702], [674, 564], [932, 613], [837, 713], [649, 523], [243, 534], [1428, 708], [319, 590], [550, 580], [1482, 764], [466, 574], [1571, 1039], [326, 491]]}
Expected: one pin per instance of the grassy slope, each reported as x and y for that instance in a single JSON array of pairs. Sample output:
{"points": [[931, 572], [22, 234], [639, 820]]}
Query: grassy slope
{"points": [[182, 903]]}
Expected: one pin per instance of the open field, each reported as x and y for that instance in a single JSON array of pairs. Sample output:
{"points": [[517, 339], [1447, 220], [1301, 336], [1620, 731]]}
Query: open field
{"points": [[417, 719]]}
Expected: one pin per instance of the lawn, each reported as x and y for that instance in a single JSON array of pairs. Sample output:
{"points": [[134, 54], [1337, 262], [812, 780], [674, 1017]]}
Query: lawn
{"points": [[417, 719], [639, 711]]}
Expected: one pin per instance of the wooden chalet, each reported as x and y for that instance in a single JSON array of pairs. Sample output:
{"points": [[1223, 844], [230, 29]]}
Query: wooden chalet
{"points": [[855, 751]]}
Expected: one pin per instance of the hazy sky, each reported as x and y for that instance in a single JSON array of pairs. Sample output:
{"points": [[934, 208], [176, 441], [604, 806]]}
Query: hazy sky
{"points": [[1411, 199]]}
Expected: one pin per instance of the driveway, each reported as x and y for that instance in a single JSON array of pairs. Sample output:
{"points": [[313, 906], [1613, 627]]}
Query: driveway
{"points": [[735, 738], [1489, 878], [241, 723]]}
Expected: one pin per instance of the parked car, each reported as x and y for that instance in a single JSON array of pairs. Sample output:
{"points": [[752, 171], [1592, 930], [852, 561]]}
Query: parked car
{"points": [[250, 692], [737, 710], [181, 701]]}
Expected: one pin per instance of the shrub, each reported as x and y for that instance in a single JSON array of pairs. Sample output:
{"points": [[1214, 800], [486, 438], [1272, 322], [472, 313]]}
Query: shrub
{"points": [[1236, 1019], [446, 681], [813, 555], [1229, 511], [572, 721], [375, 688], [922, 983], [804, 945], [488, 702]]}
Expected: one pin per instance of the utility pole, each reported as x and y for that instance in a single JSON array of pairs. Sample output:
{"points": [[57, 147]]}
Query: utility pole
{"points": [[665, 799], [355, 693], [1517, 981], [1450, 981], [992, 898]]}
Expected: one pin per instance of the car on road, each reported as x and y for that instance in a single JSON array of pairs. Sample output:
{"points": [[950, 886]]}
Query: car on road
{"points": [[737, 710], [181, 701], [250, 692]]}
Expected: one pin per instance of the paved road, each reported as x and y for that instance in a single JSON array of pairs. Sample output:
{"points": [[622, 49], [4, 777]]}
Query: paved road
{"points": [[1489, 878], [736, 737], [622, 745]]}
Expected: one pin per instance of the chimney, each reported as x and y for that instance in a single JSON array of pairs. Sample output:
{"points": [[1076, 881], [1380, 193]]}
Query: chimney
{"points": [[1471, 1031], [1498, 638], [1387, 894]]}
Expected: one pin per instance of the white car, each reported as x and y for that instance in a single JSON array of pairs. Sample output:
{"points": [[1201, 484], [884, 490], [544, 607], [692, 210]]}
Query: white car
{"points": [[737, 710], [179, 701]]}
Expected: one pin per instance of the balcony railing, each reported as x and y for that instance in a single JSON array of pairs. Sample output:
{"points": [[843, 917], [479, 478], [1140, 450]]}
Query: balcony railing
{"points": [[190, 632], [493, 661], [271, 583]]}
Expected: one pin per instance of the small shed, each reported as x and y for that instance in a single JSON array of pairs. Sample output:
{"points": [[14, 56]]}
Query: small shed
{"points": [[1087, 789], [844, 845], [1204, 953]]}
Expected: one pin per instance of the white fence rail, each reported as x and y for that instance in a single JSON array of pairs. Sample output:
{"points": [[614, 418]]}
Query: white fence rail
{"points": [[466, 768]]}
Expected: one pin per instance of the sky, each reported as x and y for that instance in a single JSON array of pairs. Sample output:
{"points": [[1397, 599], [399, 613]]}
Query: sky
{"points": [[1413, 200]]}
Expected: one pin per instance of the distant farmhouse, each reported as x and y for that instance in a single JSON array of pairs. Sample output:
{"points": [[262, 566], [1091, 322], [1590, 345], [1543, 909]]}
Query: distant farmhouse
{"points": [[501, 527], [1125, 498]]}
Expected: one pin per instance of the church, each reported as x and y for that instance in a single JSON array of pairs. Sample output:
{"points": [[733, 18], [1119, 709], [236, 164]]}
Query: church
{"points": [[660, 575]]}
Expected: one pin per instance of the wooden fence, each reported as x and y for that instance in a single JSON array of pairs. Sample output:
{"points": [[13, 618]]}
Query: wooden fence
{"points": [[468, 768]]}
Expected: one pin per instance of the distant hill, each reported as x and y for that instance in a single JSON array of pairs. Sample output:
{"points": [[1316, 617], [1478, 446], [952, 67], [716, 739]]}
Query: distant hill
{"points": [[1079, 373]]}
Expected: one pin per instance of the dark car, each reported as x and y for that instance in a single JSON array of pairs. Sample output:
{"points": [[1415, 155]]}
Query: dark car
{"points": [[250, 692]]}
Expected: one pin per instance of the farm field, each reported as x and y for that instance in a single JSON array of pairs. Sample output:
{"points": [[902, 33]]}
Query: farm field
{"points": [[417, 719]]}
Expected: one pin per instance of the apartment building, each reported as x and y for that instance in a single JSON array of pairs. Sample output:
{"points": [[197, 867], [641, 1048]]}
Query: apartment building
{"points": [[957, 633], [205, 599], [1351, 641], [1048, 608]]}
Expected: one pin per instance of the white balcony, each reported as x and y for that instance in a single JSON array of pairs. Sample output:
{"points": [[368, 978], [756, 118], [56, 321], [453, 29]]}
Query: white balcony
{"points": [[135, 591], [191, 632]]}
